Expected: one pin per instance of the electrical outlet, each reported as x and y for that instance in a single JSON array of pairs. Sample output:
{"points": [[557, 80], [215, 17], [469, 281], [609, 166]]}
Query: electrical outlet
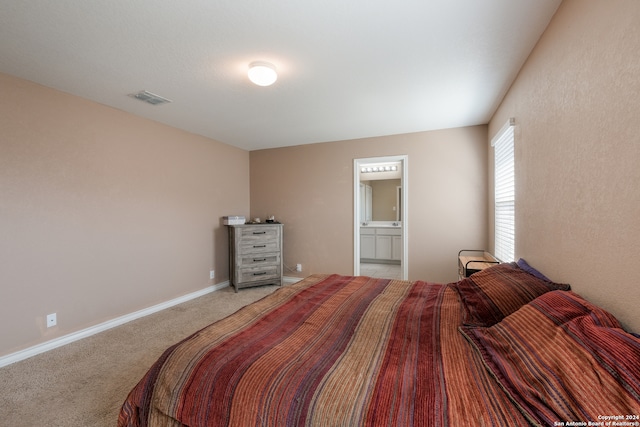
{"points": [[52, 320], [212, 274], [298, 267]]}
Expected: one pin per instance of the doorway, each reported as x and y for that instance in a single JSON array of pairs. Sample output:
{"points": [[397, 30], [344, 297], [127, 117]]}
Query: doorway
{"points": [[380, 226]]}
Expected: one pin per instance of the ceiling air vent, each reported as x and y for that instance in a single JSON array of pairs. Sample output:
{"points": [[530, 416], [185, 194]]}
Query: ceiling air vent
{"points": [[150, 98]]}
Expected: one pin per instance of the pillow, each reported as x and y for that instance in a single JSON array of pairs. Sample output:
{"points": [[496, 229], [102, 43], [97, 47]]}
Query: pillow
{"points": [[524, 265], [490, 295], [560, 358]]}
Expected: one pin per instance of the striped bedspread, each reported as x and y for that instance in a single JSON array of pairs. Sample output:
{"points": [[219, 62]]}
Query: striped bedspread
{"points": [[329, 350]]}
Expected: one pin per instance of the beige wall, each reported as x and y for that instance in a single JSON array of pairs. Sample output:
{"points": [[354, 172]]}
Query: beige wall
{"points": [[310, 189], [103, 213], [578, 152]]}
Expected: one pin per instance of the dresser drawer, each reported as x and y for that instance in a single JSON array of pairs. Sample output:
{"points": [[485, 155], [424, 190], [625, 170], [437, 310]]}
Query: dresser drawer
{"points": [[259, 259], [259, 233], [259, 247], [259, 273]]}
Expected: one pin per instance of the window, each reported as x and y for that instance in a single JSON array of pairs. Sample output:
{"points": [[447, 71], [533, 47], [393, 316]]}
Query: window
{"points": [[504, 183]]}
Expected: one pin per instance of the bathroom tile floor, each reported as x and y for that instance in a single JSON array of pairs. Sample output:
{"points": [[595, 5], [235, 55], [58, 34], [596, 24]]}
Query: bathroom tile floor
{"points": [[386, 271]]}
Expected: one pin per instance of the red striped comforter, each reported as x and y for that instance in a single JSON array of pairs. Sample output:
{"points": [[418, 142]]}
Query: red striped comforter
{"points": [[327, 351]]}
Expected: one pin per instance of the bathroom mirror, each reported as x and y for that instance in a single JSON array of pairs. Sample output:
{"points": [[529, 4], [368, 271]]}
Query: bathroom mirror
{"points": [[380, 191], [380, 200]]}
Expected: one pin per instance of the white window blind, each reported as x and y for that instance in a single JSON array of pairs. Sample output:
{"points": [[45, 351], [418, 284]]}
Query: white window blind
{"points": [[504, 193]]}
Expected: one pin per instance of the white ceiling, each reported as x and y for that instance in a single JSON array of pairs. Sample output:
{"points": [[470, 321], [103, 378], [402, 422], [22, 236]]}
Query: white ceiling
{"points": [[347, 68]]}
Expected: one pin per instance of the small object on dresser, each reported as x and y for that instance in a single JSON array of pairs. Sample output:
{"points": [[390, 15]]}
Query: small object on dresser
{"points": [[233, 220]]}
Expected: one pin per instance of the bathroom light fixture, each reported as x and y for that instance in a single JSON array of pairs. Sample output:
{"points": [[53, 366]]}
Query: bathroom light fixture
{"points": [[379, 169], [262, 73]]}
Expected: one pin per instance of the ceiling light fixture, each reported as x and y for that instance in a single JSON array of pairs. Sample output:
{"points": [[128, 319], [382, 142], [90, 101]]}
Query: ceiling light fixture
{"points": [[262, 73]]}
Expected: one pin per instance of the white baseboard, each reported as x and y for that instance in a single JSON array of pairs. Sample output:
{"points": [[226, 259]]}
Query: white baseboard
{"points": [[84, 333], [75, 336]]}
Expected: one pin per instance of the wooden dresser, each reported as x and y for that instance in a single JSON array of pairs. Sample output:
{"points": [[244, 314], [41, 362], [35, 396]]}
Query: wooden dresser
{"points": [[255, 255]]}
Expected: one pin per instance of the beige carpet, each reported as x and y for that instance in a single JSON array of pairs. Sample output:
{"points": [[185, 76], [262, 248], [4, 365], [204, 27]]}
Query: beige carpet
{"points": [[85, 382]]}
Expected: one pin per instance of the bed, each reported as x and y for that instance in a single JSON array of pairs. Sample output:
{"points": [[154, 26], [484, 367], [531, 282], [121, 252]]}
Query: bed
{"points": [[503, 347]]}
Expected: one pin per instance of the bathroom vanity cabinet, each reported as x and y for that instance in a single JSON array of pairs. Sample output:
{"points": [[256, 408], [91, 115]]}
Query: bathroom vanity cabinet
{"points": [[381, 244]]}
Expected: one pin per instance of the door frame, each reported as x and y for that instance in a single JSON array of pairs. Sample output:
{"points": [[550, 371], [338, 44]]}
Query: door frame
{"points": [[404, 183]]}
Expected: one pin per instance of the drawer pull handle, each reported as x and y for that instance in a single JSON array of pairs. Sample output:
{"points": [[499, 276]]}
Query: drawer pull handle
{"points": [[259, 246], [260, 274], [259, 259], [259, 232]]}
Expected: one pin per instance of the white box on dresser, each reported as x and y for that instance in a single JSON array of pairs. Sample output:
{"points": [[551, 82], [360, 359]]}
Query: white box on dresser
{"points": [[255, 255]]}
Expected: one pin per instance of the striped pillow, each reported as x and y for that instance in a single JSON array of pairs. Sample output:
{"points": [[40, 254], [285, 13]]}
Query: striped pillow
{"points": [[490, 295], [561, 358]]}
